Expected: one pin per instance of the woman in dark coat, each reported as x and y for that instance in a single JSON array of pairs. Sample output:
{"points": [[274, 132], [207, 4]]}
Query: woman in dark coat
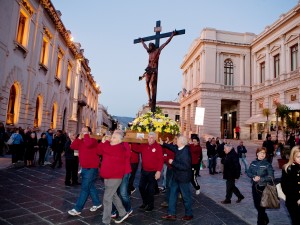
{"points": [[31, 148], [290, 183], [43, 145]]}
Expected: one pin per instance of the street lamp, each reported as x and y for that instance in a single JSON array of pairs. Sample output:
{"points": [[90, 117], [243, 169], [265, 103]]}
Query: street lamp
{"points": [[230, 130]]}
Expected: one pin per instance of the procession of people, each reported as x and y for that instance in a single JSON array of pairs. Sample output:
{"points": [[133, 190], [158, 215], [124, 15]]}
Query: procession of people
{"points": [[116, 163]]}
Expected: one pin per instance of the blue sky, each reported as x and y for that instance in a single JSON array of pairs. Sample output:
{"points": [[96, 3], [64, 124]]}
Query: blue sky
{"points": [[106, 30]]}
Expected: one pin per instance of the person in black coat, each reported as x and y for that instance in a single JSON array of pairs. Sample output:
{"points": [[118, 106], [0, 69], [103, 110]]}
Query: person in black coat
{"points": [[290, 183], [212, 156], [232, 170], [43, 145], [182, 173], [71, 162], [269, 145], [58, 148]]}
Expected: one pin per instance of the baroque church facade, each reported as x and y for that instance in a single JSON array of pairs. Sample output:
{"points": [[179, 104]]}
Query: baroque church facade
{"points": [[234, 76], [46, 81]]}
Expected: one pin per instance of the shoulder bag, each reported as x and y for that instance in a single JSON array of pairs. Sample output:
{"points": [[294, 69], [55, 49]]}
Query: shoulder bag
{"points": [[269, 198]]}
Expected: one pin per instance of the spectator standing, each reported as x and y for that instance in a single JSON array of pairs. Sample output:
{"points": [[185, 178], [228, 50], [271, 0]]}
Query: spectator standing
{"points": [[269, 145], [261, 172], [241, 149], [232, 170], [16, 147], [237, 132], [58, 148], [43, 145], [196, 153], [212, 156], [31, 148], [292, 140], [180, 182], [71, 162], [290, 183], [89, 161], [3, 138], [49, 135]]}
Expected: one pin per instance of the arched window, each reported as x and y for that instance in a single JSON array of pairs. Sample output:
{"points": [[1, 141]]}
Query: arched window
{"points": [[228, 72], [38, 112], [10, 116], [53, 116]]}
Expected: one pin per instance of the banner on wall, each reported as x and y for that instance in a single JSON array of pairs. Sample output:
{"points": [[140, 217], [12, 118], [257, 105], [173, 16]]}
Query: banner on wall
{"points": [[199, 116]]}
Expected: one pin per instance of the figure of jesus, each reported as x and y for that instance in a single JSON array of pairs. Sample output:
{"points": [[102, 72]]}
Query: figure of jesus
{"points": [[152, 68]]}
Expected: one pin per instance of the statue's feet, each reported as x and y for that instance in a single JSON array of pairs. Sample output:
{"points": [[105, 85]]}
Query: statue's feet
{"points": [[150, 102]]}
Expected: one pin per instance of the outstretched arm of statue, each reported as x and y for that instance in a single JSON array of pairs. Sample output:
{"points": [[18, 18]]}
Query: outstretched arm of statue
{"points": [[168, 41], [145, 46]]}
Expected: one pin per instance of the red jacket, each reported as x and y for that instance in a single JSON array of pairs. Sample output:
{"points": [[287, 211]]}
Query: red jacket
{"points": [[87, 148], [152, 156], [113, 160], [168, 154], [134, 157], [196, 152]]}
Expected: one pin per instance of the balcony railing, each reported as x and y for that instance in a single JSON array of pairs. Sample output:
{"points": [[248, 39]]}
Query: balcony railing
{"points": [[82, 100]]}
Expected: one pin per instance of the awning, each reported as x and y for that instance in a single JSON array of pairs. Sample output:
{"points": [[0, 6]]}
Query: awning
{"points": [[260, 118], [293, 106]]}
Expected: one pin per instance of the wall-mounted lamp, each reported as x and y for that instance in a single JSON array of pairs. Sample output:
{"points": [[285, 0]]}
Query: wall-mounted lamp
{"points": [[229, 114], [221, 117]]}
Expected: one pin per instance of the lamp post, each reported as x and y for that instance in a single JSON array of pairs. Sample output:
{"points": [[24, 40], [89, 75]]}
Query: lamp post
{"points": [[230, 130]]}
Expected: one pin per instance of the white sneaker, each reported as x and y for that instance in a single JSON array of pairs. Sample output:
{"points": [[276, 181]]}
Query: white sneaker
{"points": [[198, 192], [74, 212], [130, 212], [122, 218], [95, 208], [79, 172]]}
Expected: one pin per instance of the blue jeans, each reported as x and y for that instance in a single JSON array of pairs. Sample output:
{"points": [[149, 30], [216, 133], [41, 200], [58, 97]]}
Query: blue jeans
{"points": [[164, 175], [123, 194], [88, 187], [212, 162], [169, 177], [185, 190], [243, 159]]}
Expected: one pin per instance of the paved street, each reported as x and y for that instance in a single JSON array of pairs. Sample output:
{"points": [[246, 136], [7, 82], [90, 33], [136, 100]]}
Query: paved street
{"points": [[38, 196]]}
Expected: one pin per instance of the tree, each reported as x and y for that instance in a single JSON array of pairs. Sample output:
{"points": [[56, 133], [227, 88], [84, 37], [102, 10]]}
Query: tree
{"points": [[266, 112], [282, 111]]}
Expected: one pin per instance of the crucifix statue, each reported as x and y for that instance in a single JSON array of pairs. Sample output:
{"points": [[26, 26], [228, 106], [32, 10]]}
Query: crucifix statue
{"points": [[151, 72]]}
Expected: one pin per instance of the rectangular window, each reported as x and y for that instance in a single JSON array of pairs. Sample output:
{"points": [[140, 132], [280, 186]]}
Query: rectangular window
{"points": [[58, 66], [276, 66], [21, 29], [68, 82], [177, 117], [166, 115], [294, 58], [262, 72], [44, 52]]}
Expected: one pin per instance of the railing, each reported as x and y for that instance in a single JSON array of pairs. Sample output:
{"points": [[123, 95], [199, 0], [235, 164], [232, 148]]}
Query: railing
{"points": [[82, 100]]}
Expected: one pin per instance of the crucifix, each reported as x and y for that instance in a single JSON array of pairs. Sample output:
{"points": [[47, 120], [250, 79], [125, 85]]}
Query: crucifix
{"points": [[154, 50]]}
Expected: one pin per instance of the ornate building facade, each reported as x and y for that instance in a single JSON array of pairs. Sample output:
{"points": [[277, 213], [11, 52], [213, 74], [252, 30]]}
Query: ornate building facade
{"points": [[235, 75], [46, 81]]}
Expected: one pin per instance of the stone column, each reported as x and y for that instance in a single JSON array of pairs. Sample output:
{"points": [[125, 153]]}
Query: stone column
{"points": [[283, 56], [267, 68], [217, 67], [244, 114], [254, 70]]}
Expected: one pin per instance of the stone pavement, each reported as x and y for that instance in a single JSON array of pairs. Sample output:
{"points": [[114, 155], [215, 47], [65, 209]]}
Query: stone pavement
{"points": [[38, 196]]}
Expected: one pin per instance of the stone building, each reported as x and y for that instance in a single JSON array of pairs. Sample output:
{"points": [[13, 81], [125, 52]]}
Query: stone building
{"points": [[169, 109], [234, 76], [46, 81], [104, 120]]}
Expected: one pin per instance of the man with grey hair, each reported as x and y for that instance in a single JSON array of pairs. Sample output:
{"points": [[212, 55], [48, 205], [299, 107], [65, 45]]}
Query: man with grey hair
{"points": [[232, 170], [152, 164], [182, 175]]}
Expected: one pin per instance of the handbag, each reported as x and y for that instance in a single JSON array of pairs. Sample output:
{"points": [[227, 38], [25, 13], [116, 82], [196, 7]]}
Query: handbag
{"points": [[269, 198], [280, 193], [11, 140]]}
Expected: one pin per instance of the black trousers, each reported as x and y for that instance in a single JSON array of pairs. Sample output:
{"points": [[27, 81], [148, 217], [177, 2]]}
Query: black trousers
{"points": [[147, 187], [231, 188], [57, 158], [294, 211], [194, 177], [134, 167], [72, 170], [42, 152], [262, 216]]}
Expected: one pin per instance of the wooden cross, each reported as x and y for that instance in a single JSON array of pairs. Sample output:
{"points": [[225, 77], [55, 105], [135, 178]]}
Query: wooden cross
{"points": [[157, 38]]}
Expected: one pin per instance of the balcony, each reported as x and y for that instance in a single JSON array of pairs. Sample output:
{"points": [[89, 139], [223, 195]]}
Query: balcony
{"points": [[82, 100]]}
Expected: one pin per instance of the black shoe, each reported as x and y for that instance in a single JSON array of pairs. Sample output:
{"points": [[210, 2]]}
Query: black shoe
{"points": [[76, 183], [52, 166], [68, 184], [240, 199], [143, 206], [149, 208], [226, 202]]}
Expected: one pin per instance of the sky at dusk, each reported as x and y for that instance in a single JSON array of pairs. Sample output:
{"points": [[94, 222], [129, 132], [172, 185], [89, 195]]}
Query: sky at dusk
{"points": [[106, 30]]}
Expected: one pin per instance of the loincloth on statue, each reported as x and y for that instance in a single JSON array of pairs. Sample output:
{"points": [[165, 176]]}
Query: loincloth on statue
{"points": [[150, 70]]}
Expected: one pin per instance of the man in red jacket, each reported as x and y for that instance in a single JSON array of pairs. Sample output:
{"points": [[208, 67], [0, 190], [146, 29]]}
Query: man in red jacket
{"points": [[89, 161], [113, 169], [152, 164]]}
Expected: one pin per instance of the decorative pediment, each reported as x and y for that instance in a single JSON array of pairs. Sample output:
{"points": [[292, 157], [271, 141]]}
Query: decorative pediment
{"points": [[274, 48], [291, 37], [47, 33], [261, 55], [27, 6]]}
